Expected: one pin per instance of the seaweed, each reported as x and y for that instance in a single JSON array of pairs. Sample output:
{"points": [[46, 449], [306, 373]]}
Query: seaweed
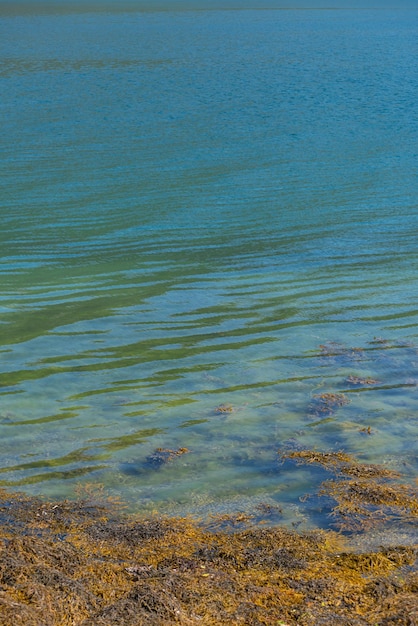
{"points": [[367, 430], [88, 563], [360, 381], [324, 404], [266, 512], [162, 456], [364, 504], [333, 350], [224, 409], [332, 460], [228, 521], [366, 495]]}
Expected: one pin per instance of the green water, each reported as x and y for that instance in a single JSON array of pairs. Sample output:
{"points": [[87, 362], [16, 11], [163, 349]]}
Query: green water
{"points": [[192, 204]]}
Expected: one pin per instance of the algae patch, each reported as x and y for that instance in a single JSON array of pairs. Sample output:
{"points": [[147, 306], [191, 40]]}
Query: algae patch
{"points": [[363, 496]]}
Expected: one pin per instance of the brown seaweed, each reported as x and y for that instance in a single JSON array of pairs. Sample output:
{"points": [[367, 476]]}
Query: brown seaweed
{"points": [[333, 350], [325, 404], [365, 495], [161, 456], [361, 381], [224, 409], [84, 563]]}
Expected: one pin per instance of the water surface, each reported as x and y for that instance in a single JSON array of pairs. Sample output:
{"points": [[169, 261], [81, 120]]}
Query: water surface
{"points": [[208, 218]]}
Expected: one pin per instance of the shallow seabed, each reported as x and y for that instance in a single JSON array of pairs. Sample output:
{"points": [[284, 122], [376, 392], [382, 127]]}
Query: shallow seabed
{"points": [[208, 242]]}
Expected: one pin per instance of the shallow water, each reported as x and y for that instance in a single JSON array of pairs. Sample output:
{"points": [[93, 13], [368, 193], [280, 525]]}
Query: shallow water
{"points": [[192, 204]]}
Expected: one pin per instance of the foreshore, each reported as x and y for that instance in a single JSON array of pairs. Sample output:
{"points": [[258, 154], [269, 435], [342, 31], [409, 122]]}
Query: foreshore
{"points": [[86, 563]]}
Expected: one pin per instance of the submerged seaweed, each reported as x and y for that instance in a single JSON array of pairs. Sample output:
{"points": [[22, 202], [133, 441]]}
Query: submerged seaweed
{"points": [[224, 409], [356, 381], [161, 456], [154, 461], [338, 352], [365, 495], [324, 404]]}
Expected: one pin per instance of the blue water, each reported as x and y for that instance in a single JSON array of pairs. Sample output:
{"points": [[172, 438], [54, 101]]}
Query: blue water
{"points": [[192, 204]]}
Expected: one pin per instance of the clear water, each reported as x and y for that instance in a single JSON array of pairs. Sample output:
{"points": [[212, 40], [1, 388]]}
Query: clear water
{"points": [[192, 203]]}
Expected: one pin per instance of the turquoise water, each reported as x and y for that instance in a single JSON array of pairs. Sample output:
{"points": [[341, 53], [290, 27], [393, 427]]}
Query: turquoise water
{"points": [[208, 218]]}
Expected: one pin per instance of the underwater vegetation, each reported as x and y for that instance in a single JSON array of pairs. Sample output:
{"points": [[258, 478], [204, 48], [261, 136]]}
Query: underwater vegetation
{"points": [[362, 496], [358, 380], [154, 461], [325, 404], [161, 456], [336, 351], [224, 408], [89, 563]]}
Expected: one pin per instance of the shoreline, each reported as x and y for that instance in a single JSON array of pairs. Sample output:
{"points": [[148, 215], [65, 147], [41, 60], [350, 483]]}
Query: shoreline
{"points": [[89, 563]]}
